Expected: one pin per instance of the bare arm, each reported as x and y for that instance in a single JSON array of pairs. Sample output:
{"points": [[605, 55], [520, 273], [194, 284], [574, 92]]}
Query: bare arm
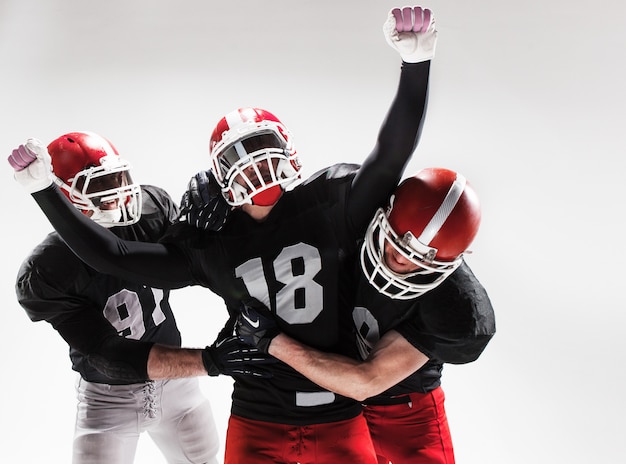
{"points": [[226, 356], [391, 361], [166, 362]]}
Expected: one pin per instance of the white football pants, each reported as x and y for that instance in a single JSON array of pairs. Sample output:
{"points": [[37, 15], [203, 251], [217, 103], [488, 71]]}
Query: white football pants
{"points": [[175, 414]]}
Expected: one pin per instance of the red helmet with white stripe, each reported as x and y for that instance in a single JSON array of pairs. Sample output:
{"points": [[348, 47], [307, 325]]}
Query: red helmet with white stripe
{"points": [[431, 220], [253, 157], [94, 177]]}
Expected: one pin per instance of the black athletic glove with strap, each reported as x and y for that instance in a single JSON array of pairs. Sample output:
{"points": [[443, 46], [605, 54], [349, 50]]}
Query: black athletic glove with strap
{"points": [[228, 355], [203, 205], [256, 326]]}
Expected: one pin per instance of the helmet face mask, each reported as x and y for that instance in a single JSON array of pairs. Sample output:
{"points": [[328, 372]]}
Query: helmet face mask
{"points": [[107, 195], [253, 157], [96, 179], [431, 220]]}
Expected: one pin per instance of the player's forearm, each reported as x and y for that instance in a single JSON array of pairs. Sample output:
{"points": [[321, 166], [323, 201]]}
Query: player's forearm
{"points": [[397, 140], [83, 236], [334, 372], [166, 362], [402, 128], [148, 263]]}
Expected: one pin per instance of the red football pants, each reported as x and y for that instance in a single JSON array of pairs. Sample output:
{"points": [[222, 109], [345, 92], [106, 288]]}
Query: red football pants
{"points": [[414, 432], [256, 442]]}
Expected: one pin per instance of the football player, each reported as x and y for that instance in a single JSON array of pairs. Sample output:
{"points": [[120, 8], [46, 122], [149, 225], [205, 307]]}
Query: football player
{"points": [[287, 243], [418, 306], [105, 318]]}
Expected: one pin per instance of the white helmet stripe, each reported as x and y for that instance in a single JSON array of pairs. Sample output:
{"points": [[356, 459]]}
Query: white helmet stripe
{"points": [[233, 119], [448, 204]]}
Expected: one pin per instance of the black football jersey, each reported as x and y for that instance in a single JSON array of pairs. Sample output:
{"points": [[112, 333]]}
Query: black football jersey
{"points": [[450, 324], [299, 260], [296, 262], [87, 307]]}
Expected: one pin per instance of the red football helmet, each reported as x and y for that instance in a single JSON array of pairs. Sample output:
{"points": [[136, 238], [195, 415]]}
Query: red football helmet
{"points": [[253, 157], [92, 174], [430, 221]]}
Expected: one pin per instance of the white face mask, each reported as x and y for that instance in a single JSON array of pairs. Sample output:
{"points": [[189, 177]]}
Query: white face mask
{"points": [[428, 275], [126, 193], [261, 149]]}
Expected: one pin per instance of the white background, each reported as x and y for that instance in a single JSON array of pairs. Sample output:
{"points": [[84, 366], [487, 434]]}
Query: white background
{"points": [[527, 100]]}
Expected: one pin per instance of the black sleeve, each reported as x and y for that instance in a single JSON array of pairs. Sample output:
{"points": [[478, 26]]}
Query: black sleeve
{"points": [[168, 209], [87, 331], [397, 139], [55, 297], [154, 264], [454, 322]]}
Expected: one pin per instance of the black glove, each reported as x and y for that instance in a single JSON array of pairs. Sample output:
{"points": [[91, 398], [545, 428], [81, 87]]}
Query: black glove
{"points": [[230, 356], [255, 325], [203, 205]]}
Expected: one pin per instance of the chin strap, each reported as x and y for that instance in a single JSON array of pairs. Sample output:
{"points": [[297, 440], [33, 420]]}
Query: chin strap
{"points": [[107, 218]]}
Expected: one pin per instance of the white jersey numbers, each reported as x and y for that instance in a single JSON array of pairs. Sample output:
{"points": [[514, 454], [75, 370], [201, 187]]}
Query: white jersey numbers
{"points": [[124, 311], [300, 299]]}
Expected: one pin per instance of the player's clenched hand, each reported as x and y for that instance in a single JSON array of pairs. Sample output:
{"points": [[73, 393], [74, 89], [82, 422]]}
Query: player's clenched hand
{"points": [[255, 325], [228, 355], [203, 205], [411, 31], [32, 165]]}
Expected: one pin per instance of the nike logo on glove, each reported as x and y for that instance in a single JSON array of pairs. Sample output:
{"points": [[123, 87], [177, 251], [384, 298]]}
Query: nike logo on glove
{"points": [[222, 341], [254, 324]]}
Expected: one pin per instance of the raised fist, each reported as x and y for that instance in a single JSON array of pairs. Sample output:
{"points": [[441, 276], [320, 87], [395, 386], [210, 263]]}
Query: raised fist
{"points": [[411, 31], [32, 165]]}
